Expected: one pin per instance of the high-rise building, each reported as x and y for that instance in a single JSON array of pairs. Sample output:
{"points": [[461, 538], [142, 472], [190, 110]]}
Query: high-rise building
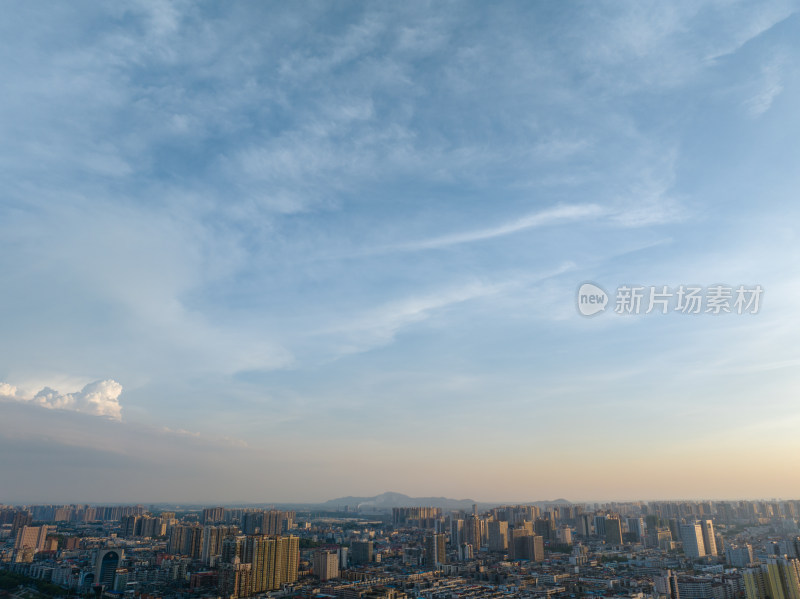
{"points": [[20, 518], [674, 528], [106, 564], [720, 543], [498, 536], [186, 539], [232, 549], [472, 530], [435, 554], [456, 532], [778, 578], [544, 528], [213, 537], [234, 580], [637, 528], [360, 552], [423, 517], [739, 556], [613, 528], [584, 525], [6, 514], [274, 561], [565, 535], [32, 537], [600, 526], [142, 526], [264, 522], [326, 565], [692, 538], [709, 539], [289, 546], [213, 515], [526, 525], [666, 585], [465, 552], [526, 546], [261, 553], [153, 527], [129, 526], [72, 543], [696, 587]]}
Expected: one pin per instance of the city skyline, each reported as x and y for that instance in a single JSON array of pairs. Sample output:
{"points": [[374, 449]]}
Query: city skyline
{"points": [[652, 550], [296, 251]]}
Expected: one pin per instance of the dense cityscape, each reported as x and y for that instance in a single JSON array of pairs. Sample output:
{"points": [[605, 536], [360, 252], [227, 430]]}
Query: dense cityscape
{"points": [[637, 550]]}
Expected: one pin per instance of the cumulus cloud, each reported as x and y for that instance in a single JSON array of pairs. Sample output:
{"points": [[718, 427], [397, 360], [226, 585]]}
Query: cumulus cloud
{"points": [[100, 398], [8, 391]]}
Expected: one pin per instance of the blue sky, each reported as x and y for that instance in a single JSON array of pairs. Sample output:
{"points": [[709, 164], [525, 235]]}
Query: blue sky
{"points": [[307, 250]]}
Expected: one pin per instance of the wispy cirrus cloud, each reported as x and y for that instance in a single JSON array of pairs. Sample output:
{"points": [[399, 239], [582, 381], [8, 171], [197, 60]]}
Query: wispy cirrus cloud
{"points": [[379, 326], [770, 86], [647, 205], [551, 216]]}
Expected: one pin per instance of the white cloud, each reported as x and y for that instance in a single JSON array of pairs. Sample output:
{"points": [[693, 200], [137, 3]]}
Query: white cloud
{"points": [[359, 39], [650, 205], [100, 398], [542, 218], [653, 207], [380, 325], [654, 46], [748, 22], [770, 87], [8, 391]]}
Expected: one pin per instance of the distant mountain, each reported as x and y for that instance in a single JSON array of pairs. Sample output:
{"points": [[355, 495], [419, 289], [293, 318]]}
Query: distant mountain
{"points": [[386, 501], [379, 503]]}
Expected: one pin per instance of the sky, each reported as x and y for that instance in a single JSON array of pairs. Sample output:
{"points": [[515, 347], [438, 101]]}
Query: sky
{"points": [[271, 251]]}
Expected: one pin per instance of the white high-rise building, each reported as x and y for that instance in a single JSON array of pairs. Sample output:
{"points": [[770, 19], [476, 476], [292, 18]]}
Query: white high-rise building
{"points": [[709, 540], [692, 537]]}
